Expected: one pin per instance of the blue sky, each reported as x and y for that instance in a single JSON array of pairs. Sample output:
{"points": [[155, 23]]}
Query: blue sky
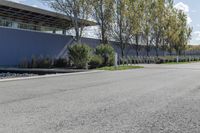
{"points": [[190, 7]]}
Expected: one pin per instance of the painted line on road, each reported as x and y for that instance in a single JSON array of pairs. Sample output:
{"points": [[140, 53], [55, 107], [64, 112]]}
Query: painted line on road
{"points": [[49, 76]]}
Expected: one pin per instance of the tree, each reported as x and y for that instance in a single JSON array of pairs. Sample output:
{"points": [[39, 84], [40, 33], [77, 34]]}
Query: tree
{"points": [[121, 29], [184, 33], [75, 10], [158, 23], [104, 10], [136, 16], [176, 33], [147, 25]]}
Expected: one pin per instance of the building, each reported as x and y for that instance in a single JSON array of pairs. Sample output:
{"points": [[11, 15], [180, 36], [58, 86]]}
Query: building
{"points": [[27, 31]]}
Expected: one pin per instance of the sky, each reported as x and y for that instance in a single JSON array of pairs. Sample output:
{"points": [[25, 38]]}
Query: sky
{"points": [[190, 7]]}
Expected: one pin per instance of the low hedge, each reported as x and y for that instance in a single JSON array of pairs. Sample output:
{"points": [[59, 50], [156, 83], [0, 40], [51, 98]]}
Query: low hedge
{"points": [[45, 62], [156, 60]]}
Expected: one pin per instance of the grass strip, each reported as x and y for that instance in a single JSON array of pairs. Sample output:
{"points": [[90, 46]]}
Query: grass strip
{"points": [[113, 68]]}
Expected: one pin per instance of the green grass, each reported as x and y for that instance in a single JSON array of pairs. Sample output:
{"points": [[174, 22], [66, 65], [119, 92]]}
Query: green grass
{"points": [[113, 68]]}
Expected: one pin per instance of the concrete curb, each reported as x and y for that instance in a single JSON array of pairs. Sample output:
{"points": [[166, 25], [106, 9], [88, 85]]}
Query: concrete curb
{"points": [[49, 76]]}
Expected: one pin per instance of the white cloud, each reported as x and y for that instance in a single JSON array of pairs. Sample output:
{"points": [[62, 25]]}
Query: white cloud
{"points": [[189, 20], [34, 6], [185, 8]]}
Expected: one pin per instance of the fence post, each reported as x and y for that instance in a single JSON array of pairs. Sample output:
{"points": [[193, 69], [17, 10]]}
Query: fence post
{"points": [[116, 60], [177, 59]]}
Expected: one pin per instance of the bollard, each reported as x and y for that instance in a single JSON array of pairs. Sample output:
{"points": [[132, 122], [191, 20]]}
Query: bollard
{"points": [[116, 60], [177, 59]]}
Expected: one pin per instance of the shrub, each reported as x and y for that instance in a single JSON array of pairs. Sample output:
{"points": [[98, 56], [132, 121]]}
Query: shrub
{"points": [[24, 63], [44, 63], [107, 53], [61, 63], [34, 62], [96, 61], [79, 54]]}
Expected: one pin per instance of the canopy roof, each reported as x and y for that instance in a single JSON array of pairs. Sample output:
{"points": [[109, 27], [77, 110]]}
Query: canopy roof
{"points": [[27, 14]]}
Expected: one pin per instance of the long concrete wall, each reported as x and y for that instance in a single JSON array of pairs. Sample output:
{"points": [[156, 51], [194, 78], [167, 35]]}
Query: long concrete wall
{"points": [[17, 45]]}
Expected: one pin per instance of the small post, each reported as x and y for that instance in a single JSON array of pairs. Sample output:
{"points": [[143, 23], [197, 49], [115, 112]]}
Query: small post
{"points": [[54, 31], [116, 60], [86, 66], [177, 59], [64, 32]]}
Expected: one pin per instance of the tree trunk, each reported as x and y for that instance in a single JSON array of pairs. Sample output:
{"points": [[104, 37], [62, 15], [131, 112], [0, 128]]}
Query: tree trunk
{"points": [[76, 26], [137, 45], [147, 47], [157, 51], [122, 52], [170, 51], [157, 47], [163, 45], [102, 23]]}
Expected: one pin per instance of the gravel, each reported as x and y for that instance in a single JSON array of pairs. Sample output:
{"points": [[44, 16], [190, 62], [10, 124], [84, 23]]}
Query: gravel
{"points": [[15, 75]]}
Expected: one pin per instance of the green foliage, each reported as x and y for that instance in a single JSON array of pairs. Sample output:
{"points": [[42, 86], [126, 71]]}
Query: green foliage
{"points": [[158, 60], [41, 62], [173, 60], [44, 62], [80, 55], [61, 63], [24, 63], [107, 53], [131, 22], [103, 13], [96, 61]]}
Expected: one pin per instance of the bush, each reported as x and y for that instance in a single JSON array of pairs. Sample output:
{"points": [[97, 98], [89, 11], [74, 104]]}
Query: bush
{"points": [[34, 62], [79, 54], [44, 63], [107, 53], [61, 63], [96, 61], [24, 63]]}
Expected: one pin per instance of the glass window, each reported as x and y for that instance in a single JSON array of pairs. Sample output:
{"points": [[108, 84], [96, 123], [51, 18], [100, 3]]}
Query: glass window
{"points": [[7, 23]]}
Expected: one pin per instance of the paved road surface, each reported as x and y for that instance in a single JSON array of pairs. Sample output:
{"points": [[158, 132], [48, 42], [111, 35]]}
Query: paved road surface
{"points": [[157, 99]]}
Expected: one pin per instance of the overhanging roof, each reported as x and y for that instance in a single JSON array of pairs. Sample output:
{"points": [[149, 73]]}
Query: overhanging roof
{"points": [[32, 15]]}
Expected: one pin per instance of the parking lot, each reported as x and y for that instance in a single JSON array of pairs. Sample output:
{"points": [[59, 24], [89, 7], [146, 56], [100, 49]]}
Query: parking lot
{"points": [[158, 98]]}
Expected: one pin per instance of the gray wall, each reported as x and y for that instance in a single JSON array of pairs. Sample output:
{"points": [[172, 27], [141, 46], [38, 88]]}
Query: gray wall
{"points": [[17, 45]]}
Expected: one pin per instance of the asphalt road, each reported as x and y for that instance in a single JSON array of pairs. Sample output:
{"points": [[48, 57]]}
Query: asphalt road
{"points": [[156, 99]]}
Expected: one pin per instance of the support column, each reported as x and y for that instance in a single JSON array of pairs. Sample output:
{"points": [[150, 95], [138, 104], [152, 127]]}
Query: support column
{"points": [[64, 32], [54, 31], [14, 25]]}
